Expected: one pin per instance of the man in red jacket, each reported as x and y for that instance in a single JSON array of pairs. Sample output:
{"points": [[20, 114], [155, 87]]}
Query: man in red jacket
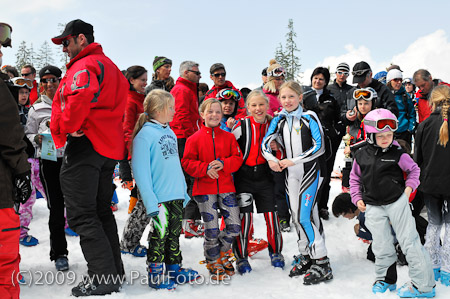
{"points": [[185, 123], [423, 80], [218, 75], [87, 113]]}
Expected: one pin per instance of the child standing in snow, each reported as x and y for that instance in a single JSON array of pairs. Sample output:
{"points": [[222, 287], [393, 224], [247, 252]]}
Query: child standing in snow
{"points": [[433, 157], [378, 188], [211, 156], [254, 183], [300, 133], [159, 177]]}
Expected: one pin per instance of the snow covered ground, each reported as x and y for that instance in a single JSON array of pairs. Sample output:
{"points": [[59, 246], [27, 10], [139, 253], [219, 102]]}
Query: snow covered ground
{"points": [[353, 273]]}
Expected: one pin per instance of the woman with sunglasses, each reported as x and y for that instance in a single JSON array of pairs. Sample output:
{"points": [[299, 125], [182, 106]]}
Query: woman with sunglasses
{"points": [[319, 99], [378, 188], [161, 78], [405, 105], [275, 78]]}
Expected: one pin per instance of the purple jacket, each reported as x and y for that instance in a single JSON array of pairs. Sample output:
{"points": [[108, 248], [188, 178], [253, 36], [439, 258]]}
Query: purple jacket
{"points": [[405, 163]]}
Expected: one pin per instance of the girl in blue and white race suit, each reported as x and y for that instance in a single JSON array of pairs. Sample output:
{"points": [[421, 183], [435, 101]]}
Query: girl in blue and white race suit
{"points": [[300, 134]]}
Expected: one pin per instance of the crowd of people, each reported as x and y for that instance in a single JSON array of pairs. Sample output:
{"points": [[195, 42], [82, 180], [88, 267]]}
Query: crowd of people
{"points": [[197, 160]]}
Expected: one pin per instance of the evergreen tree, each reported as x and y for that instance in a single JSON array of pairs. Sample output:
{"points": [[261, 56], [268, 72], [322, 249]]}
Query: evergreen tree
{"points": [[45, 56], [23, 56], [63, 58], [288, 57]]}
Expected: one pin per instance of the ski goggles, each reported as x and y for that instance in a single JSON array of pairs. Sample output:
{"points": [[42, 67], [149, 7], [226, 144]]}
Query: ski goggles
{"points": [[22, 82], [5, 35], [362, 93], [278, 72], [228, 94], [382, 124], [360, 73]]}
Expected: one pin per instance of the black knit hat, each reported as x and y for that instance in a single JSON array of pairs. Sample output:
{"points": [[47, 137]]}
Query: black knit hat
{"points": [[50, 70]]}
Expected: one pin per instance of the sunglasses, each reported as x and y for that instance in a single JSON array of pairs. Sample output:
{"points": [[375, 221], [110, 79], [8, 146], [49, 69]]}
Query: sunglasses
{"points": [[360, 73], [228, 94], [278, 72], [5, 35], [195, 72], [397, 80], [22, 82], [24, 75], [49, 80], [363, 93], [342, 73], [381, 124], [219, 75]]}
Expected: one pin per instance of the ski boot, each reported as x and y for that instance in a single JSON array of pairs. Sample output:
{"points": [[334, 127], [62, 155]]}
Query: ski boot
{"points": [[408, 290], [437, 273], [381, 286], [91, 287], [28, 241], [216, 269], [301, 264], [284, 225], [192, 228], [62, 263], [243, 266], [445, 278], [181, 275], [277, 260], [320, 271], [137, 251], [158, 279], [226, 263]]}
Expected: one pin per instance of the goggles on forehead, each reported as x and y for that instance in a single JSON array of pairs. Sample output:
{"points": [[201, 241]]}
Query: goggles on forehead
{"points": [[278, 72], [362, 93], [360, 73], [5, 35], [228, 94], [22, 82], [382, 124]]}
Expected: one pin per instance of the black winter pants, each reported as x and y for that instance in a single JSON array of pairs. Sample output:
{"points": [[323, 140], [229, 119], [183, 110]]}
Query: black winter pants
{"points": [[86, 184], [55, 202]]}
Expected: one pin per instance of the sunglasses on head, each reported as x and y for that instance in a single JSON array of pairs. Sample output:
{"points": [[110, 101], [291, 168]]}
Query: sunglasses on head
{"points": [[397, 80], [278, 72], [22, 82], [382, 124], [363, 93], [228, 94], [195, 72], [217, 75], [342, 73], [360, 73], [49, 80]]}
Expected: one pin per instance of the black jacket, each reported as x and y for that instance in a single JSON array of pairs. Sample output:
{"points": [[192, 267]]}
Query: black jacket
{"points": [[432, 158], [385, 100], [339, 93]]}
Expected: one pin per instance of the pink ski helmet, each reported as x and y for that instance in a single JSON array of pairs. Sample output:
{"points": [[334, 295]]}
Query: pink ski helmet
{"points": [[379, 121]]}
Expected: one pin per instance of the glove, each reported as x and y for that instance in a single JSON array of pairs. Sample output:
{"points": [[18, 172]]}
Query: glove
{"points": [[22, 183]]}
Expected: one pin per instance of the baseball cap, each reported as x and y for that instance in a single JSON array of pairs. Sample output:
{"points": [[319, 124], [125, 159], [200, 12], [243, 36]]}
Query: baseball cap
{"points": [[50, 70], [74, 27], [360, 71]]}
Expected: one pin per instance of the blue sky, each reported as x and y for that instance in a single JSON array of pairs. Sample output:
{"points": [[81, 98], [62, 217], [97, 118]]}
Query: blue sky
{"points": [[241, 34]]}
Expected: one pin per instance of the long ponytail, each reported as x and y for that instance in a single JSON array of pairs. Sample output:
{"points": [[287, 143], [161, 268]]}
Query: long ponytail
{"points": [[440, 97]]}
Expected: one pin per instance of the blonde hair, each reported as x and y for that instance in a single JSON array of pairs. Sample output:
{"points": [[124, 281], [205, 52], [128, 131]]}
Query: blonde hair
{"points": [[258, 93], [157, 100], [208, 103], [294, 86], [440, 97], [270, 85]]}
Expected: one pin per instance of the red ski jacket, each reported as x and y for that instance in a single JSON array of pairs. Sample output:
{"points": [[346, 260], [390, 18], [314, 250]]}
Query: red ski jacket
{"points": [[133, 108], [212, 93], [91, 97], [423, 105], [186, 119], [205, 146]]}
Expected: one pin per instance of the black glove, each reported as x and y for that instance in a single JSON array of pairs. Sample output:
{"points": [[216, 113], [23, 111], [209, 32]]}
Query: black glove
{"points": [[22, 183]]}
